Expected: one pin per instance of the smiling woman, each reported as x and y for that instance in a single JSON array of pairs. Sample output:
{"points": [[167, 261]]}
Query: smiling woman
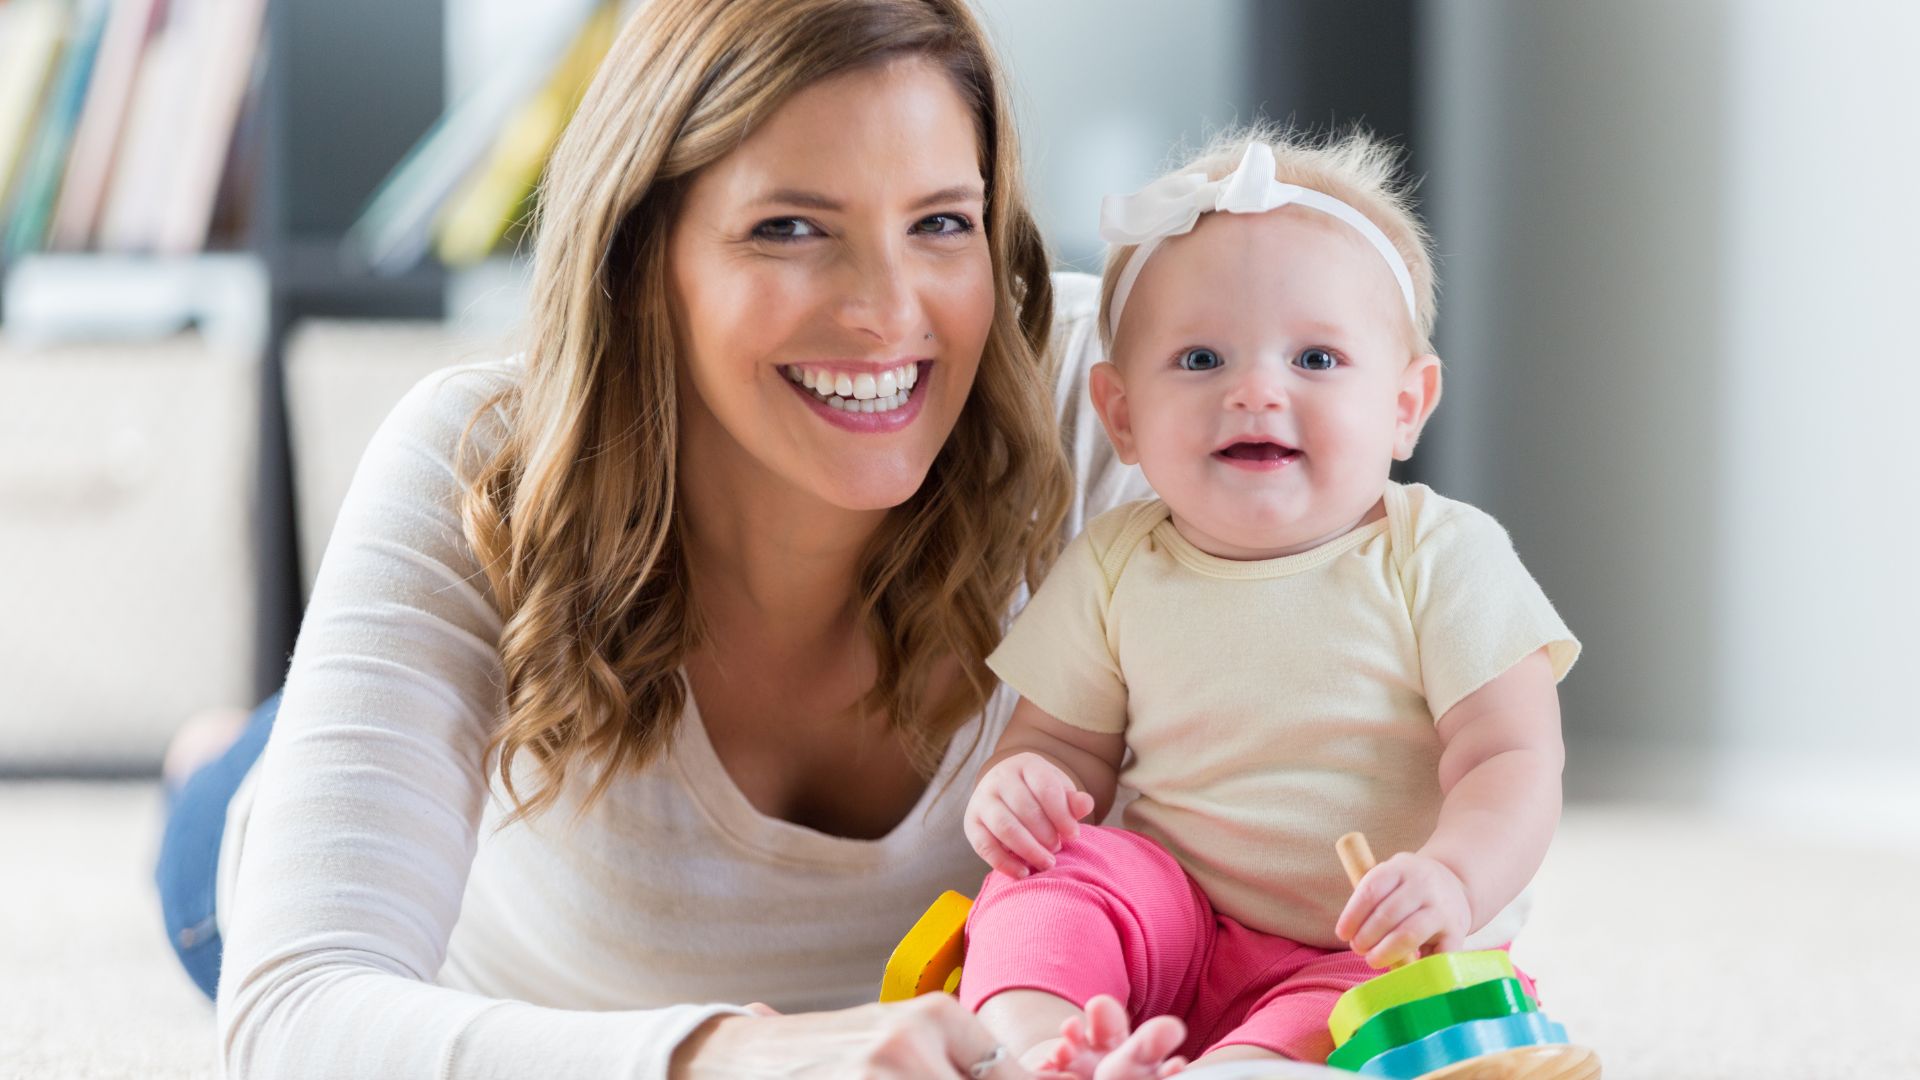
{"points": [[644, 674]]}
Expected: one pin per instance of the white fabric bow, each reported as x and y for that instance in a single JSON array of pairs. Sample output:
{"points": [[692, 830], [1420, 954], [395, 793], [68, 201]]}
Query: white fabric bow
{"points": [[1172, 206]]}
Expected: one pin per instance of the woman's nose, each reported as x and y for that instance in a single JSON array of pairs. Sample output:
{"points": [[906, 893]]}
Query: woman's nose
{"points": [[880, 300]]}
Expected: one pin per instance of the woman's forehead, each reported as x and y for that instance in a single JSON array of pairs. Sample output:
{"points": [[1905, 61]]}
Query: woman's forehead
{"points": [[895, 132]]}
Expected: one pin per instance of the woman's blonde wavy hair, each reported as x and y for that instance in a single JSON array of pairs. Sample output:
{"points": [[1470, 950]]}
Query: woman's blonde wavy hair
{"points": [[574, 516]]}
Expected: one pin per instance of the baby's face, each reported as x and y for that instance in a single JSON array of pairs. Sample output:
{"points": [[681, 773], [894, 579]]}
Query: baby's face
{"points": [[1265, 378]]}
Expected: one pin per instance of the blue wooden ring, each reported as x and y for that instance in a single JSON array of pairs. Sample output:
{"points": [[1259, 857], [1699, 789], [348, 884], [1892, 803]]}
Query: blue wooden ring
{"points": [[1463, 1041]]}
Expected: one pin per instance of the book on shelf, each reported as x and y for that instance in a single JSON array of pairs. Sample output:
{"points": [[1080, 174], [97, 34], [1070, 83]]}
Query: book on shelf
{"points": [[45, 161], [118, 122], [489, 202], [130, 25], [476, 151], [31, 34]]}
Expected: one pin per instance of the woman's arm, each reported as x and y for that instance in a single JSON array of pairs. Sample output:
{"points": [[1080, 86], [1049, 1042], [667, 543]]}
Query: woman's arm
{"points": [[353, 860]]}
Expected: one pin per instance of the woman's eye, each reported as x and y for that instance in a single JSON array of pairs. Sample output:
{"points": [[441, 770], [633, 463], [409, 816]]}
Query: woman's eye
{"points": [[784, 229], [1199, 360], [1317, 360], [943, 225]]}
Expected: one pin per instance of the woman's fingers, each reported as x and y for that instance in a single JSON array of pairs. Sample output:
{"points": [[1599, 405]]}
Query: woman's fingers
{"points": [[968, 1043]]}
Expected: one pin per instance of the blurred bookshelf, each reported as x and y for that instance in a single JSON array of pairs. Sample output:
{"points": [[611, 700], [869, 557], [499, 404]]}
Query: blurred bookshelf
{"points": [[206, 177]]}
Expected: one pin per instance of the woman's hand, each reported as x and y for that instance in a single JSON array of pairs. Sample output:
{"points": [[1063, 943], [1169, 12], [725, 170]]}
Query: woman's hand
{"points": [[1022, 810], [931, 1037], [1402, 906]]}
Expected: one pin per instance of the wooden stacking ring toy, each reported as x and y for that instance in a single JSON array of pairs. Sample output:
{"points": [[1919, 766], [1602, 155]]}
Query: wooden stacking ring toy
{"points": [[1450, 1016], [928, 958]]}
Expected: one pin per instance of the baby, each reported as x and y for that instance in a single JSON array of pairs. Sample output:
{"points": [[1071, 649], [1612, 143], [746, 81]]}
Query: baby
{"points": [[1287, 646]]}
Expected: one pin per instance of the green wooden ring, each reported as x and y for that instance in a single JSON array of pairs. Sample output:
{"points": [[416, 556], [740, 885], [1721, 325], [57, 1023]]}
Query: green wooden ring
{"points": [[1436, 975], [1416, 1020]]}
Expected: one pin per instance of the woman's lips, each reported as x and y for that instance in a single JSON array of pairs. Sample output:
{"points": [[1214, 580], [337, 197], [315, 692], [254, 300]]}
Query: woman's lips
{"points": [[847, 418]]}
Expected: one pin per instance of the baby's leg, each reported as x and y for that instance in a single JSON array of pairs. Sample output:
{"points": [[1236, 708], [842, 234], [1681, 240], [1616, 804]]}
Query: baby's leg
{"points": [[1116, 915], [1289, 1019]]}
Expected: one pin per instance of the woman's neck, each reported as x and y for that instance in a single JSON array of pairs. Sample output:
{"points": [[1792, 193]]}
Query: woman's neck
{"points": [[766, 555]]}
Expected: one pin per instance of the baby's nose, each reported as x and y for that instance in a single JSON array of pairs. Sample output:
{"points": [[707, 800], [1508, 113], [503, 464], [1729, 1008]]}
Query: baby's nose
{"points": [[1258, 390]]}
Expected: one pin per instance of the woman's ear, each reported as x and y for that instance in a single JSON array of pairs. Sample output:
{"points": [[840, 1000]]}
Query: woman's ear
{"points": [[1419, 394], [1110, 401]]}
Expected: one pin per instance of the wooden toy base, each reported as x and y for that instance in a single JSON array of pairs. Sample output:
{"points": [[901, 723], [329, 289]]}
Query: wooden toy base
{"points": [[1526, 1063]]}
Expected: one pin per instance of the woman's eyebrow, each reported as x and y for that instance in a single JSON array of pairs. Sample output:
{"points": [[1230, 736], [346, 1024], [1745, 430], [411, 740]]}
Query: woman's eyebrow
{"points": [[813, 200], [956, 193]]}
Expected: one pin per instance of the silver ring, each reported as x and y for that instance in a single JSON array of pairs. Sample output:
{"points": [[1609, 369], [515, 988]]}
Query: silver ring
{"points": [[979, 1069]]}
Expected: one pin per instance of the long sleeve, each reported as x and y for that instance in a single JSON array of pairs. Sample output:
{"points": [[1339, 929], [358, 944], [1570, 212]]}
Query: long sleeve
{"points": [[362, 829]]}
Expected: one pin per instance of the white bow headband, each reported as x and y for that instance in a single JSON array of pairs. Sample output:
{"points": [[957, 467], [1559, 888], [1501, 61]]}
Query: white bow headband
{"points": [[1172, 205]]}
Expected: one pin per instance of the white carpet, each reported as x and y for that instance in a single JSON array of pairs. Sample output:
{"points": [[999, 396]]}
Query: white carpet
{"points": [[1679, 948]]}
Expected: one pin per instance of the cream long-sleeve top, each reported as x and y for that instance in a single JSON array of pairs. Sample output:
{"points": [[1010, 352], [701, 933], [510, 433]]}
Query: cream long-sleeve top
{"points": [[378, 923]]}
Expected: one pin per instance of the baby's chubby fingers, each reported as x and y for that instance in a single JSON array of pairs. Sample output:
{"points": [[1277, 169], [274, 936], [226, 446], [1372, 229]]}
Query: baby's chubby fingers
{"points": [[1025, 805], [1006, 827], [1062, 803], [1390, 913], [993, 851], [1405, 940], [1377, 885]]}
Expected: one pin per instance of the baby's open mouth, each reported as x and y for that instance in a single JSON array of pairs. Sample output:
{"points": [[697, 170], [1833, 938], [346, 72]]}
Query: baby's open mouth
{"points": [[1256, 450]]}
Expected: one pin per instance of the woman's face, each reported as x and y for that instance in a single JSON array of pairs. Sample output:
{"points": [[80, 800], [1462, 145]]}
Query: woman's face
{"points": [[833, 290]]}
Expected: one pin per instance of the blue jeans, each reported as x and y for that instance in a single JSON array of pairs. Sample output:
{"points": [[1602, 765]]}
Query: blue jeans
{"points": [[189, 863]]}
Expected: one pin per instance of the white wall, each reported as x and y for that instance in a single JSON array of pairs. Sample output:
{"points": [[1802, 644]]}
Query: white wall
{"points": [[1823, 387], [1678, 278], [1105, 89]]}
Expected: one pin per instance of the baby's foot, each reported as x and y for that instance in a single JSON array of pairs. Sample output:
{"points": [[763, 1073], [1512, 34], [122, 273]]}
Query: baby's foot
{"points": [[1098, 1046]]}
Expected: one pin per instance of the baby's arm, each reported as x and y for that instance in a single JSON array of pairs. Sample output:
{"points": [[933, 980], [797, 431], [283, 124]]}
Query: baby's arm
{"points": [[1500, 766], [1043, 778]]}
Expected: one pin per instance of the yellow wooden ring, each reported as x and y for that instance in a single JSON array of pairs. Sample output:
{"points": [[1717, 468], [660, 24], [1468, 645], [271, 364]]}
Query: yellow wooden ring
{"points": [[927, 960], [1437, 974]]}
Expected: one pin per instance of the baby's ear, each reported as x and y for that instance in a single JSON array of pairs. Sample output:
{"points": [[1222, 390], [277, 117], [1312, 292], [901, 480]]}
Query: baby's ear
{"points": [[1419, 394], [1110, 401]]}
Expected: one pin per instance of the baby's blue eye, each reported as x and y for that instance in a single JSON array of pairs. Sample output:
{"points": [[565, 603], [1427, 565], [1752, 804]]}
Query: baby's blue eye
{"points": [[1200, 360], [1317, 360]]}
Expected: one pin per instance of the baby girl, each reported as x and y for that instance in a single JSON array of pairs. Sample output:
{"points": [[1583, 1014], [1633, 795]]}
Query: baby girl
{"points": [[1287, 646]]}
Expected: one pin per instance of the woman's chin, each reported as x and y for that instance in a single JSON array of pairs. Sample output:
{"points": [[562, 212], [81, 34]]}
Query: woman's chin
{"points": [[869, 487]]}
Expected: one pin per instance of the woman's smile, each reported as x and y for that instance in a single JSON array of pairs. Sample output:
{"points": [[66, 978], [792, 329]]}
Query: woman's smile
{"points": [[868, 399]]}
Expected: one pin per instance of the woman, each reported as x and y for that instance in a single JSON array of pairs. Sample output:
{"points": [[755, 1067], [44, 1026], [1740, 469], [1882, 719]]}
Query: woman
{"points": [[647, 670]]}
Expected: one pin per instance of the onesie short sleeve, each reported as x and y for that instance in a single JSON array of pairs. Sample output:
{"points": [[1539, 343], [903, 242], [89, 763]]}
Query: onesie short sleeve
{"points": [[1059, 654], [1476, 610]]}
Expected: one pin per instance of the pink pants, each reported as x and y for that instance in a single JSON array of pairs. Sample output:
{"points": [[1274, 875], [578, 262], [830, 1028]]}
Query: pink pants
{"points": [[1117, 915]]}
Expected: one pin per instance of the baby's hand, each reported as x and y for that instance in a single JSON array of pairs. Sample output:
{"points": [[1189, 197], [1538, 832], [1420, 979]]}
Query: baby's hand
{"points": [[1098, 1046], [1022, 810], [1402, 907]]}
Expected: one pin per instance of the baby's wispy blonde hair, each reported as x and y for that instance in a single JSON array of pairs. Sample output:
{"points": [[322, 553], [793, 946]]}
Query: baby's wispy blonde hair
{"points": [[1354, 166]]}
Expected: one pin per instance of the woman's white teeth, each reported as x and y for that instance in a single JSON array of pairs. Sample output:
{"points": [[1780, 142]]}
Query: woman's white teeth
{"points": [[865, 392]]}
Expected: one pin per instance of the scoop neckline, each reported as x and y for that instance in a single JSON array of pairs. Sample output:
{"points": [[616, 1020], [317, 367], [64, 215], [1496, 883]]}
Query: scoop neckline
{"points": [[1212, 565], [712, 789]]}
